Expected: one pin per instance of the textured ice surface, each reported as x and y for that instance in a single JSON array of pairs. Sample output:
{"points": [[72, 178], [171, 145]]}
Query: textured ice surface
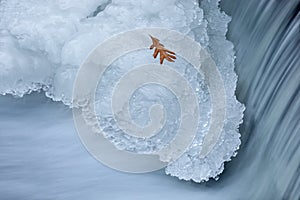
{"points": [[189, 165], [44, 42], [51, 38], [145, 97]]}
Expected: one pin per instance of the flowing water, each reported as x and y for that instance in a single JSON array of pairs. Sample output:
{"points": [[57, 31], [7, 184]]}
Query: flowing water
{"points": [[266, 35], [41, 156]]}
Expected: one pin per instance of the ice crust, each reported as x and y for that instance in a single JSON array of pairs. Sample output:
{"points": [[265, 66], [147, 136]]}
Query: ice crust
{"points": [[43, 43]]}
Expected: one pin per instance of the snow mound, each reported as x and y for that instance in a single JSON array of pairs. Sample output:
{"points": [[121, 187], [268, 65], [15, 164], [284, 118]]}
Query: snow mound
{"points": [[43, 43]]}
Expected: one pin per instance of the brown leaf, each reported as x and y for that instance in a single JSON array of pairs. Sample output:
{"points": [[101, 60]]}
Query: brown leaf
{"points": [[160, 49]]}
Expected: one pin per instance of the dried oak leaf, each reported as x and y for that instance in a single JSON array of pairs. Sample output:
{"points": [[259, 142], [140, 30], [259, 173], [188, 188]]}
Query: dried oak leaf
{"points": [[164, 53]]}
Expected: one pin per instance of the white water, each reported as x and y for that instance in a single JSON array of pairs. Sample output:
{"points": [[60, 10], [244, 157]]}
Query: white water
{"points": [[42, 158]]}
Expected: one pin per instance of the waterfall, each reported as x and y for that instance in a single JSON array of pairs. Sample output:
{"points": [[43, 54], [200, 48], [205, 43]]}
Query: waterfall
{"points": [[41, 156], [266, 35]]}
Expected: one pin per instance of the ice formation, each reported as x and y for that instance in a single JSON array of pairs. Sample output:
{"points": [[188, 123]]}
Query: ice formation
{"points": [[43, 44]]}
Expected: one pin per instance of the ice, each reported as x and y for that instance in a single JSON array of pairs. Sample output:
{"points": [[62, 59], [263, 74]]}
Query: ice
{"points": [[223, 54], [42, 157], [22, 70], [62, 33], [43, 44]]}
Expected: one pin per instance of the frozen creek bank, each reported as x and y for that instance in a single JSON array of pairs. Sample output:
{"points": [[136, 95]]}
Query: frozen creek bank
{"points": [[44, 43]]}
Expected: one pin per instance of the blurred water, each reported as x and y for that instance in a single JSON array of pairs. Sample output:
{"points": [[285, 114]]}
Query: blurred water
{"points": [[266, 35], [41, 156]]}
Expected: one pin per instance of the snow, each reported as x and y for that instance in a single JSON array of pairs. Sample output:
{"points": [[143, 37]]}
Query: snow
{"points": [[62, 33], [43, 44]]}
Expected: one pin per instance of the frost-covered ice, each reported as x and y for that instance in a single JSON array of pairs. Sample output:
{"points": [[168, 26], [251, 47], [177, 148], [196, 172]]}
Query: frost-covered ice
{"points": [[43, 44], [52, 38], [191, 167]]}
